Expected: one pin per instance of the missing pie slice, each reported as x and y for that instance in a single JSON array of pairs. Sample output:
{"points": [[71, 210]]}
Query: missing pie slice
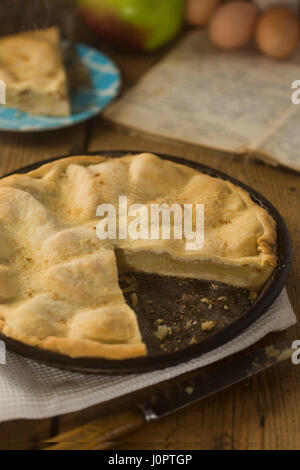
{"points": [[32, 68], [59, 282]]}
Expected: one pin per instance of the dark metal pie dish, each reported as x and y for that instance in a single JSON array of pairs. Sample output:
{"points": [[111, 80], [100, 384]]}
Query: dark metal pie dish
{"points": [[172, 312]]}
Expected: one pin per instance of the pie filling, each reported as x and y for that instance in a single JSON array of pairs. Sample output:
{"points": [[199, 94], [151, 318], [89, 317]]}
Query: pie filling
{"points": [[37, 103], [245, 275], [59, 287]]}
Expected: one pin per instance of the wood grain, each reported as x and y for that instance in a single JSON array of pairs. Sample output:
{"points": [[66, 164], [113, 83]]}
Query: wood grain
{"points": [[99, 434], [264, 412], [17, 149]]}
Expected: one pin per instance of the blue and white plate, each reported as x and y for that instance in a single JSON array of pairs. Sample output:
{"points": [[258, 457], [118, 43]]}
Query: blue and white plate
{"points": [[105, 79]]}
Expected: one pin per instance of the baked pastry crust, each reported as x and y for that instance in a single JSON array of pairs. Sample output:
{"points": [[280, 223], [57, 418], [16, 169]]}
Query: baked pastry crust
{"points": [[59, 282], [31, 66]]}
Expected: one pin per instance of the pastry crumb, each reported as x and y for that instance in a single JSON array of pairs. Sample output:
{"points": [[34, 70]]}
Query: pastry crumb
{"points": [[253, 295], [189, 390], [222, 297], [226, 307], [134, 299], [205, 300], [194, 340], [163, 331], [208, 325], [186, 297], [181, 308]]}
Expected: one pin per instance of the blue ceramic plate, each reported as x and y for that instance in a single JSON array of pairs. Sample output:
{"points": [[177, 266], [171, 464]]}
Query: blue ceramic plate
{"points": [[85, 103]]}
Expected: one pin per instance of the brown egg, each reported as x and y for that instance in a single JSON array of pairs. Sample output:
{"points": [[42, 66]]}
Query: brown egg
{"points": [[199, 12], [232, 24], [277, 32]]}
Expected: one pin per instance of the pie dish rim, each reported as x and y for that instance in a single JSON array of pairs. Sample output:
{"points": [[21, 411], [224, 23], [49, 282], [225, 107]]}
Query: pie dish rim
{"points": [[269, 293]]}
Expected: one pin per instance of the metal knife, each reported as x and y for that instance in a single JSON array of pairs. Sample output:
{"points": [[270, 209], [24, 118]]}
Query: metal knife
{"points": [[108, 431]]}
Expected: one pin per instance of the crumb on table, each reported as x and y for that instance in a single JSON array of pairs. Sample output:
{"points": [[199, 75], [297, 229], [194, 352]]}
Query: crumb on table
{"points": [[189, 390]]}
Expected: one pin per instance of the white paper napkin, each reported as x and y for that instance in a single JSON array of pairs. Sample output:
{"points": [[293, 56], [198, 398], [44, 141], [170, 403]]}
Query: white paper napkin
{"points": [[32, 390]]}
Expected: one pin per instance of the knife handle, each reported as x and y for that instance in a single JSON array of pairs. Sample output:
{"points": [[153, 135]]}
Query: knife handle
{"points": [[103, 433]]}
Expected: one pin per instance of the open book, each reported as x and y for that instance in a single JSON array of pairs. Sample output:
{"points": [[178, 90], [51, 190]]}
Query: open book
{"points": [[234, 101]]}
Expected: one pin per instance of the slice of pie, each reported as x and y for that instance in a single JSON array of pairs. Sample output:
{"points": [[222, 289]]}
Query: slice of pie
{"points": [[59, 281], [32, 68]]}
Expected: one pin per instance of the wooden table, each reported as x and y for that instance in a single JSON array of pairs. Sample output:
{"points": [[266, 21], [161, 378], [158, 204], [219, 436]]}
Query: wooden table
{"points": [[262, 413]]}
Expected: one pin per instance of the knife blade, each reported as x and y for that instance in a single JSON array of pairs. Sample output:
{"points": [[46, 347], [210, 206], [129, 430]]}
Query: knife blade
{"points": [[186, 393], [108, 431]]}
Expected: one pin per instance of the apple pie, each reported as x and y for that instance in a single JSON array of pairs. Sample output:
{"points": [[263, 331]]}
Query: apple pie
{"points": [[32, 68], [59, 285]]}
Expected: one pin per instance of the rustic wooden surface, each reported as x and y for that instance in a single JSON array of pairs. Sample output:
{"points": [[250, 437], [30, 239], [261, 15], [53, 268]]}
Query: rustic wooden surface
{"points": [[262, 413]]}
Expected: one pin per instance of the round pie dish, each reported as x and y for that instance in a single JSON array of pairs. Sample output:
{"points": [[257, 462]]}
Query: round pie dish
{"points": [[165, 355]]}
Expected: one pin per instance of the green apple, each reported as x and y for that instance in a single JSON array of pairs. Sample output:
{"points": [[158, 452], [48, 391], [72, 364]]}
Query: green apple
{"points": [[144, 24]]}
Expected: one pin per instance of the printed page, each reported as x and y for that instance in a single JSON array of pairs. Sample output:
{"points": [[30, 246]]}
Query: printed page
{"points": [[283, 144], [223, 100]]}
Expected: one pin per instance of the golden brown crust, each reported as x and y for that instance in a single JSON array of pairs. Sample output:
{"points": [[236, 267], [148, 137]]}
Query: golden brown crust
{"points": [[59, 282], [31, 65], [76, 348]]}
